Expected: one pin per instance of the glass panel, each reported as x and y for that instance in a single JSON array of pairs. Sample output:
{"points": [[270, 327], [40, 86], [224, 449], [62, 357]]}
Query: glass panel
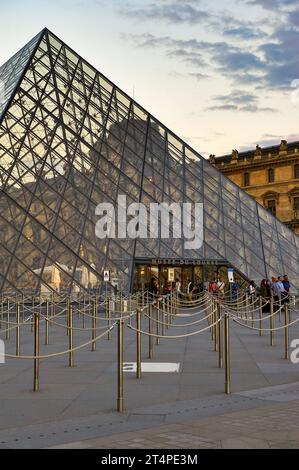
{"points": [[87, 142]]}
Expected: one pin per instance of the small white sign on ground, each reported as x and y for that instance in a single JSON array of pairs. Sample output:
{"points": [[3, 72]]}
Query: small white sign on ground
{"points": [[166, 367]]}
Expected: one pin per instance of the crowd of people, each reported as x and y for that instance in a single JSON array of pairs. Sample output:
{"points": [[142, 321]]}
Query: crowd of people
{"points": [[278, 288]]}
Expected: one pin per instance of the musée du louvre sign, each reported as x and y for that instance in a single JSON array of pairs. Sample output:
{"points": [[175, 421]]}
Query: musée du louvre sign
{"points": [[188, 262]]}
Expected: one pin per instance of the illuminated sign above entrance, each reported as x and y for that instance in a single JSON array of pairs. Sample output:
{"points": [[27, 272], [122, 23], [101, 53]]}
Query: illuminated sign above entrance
{"points": [[187, 262]]}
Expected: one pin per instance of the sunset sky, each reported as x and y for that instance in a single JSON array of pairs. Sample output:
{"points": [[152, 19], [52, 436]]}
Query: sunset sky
{"points": [[219, 74]]}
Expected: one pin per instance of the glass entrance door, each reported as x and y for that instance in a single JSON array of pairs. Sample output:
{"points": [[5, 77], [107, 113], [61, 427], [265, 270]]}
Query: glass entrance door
{"points": [[165, 277]]}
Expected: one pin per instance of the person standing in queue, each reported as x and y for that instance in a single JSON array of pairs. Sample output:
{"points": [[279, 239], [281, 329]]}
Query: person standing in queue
{"points": [[190, 289], [221, 288], [178, 287]]}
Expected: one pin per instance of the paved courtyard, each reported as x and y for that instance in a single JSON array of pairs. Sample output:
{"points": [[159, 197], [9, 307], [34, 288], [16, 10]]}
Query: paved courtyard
{"points": [[187, 409]]}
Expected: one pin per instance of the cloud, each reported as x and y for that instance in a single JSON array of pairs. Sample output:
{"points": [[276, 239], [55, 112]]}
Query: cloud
{"points": [[192, 58], [239, 61], [272, 4], [227, 57], [198, 76], [281, 57], [248, 79], [294, 17], [270, 140], [244, 32], [274, 64], [180, 12], [174, 12], [237, 97], [240, 101], [223, 107], [257, 109]]}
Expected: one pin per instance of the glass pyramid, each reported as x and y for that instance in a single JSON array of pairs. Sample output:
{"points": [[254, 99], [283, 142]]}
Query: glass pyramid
{"points": [[70, 139], [11, 71]]}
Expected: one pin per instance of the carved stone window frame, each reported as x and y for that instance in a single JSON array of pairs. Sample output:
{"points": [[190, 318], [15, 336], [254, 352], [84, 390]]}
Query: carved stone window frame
{"points": [[268, 196]]}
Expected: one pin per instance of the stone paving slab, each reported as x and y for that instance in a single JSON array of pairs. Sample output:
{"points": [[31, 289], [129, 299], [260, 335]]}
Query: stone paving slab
{"points": [[282, 393], [75, 404], [250, 429], [65, 431]]}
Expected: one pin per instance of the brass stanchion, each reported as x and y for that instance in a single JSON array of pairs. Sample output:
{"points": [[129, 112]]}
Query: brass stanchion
{"points": [[94, 326], [227, 355], [47, 324], [8, 321], [212, 318], [109, 335], [120, 372], [220, 338], [138, 326], [36, 353], [67, 317], [71, 336], [272, 323], [168, 312], [286, 331], [157, 323], [83, 317], [33, 313], [162, 305], [150, 338], [54, 307], [261, 316], [1, 312], [215, 328], [18, 330], [247, 306]]}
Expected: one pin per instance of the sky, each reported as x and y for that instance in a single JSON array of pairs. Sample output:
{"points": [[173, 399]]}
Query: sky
{"points": [[222, 75]]}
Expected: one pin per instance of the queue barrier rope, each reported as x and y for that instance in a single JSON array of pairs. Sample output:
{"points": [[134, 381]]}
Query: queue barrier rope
{"points": [[182, 325], [267, 329], [62, 353], [92, 328], [187, 335], [250, 320]]}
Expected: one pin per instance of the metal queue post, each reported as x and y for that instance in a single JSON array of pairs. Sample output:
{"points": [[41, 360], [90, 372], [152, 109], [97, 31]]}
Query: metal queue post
{"points": [[161, 313]]}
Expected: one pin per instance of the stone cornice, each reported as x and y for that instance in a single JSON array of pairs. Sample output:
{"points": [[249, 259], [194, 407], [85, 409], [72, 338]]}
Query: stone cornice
{"points": [[268, 186], [277, 161]]}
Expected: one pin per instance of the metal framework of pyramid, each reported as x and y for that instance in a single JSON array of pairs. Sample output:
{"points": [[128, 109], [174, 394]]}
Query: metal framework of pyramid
{"points": [[70, 139]]}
